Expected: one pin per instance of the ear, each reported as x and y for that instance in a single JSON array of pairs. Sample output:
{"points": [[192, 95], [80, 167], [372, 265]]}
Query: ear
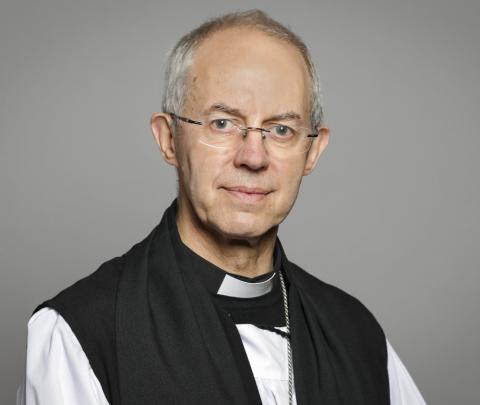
{"points": [[318, 146], [161, 125]]}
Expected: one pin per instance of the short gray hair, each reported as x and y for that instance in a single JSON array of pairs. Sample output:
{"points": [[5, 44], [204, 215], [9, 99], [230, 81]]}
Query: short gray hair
{"points": [[181, 57]]}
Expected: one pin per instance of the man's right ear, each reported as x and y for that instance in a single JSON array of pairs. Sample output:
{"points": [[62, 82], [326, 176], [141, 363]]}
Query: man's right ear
{"points": [[161, 125]]}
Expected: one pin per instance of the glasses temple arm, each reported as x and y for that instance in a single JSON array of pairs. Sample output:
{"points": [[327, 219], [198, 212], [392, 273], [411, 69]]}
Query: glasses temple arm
{"points": [[184, 119]]}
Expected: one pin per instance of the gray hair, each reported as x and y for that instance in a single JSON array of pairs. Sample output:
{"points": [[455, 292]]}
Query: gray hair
{"points": [[181, 57]]}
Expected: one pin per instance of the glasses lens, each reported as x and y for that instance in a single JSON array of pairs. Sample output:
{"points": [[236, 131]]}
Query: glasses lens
{"points": [[221, 133], [284, 140]]}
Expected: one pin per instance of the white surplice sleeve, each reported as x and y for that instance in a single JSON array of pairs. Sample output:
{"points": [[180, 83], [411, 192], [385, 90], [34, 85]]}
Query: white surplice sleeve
{"points": [[403, 390], [57, 370]]}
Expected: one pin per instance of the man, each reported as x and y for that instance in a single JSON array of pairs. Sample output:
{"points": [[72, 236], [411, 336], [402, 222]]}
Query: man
{"points": [[207, 308]]}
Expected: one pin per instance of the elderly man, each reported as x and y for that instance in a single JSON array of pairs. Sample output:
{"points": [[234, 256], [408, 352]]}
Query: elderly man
{"points": [[207, 309]]}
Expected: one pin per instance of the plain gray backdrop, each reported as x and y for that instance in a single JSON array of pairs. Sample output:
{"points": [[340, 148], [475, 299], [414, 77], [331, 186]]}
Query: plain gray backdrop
{"points": [[391, 213]]}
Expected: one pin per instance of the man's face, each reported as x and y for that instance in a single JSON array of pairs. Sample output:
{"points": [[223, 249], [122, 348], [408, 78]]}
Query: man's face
{"points": [[260, 77]]}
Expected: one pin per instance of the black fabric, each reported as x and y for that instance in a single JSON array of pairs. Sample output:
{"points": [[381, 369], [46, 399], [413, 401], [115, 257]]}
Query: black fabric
{"points": [[153, 334], [88, 306]]}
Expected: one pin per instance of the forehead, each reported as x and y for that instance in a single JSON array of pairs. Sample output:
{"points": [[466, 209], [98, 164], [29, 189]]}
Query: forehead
{"points": [[249, 70]]}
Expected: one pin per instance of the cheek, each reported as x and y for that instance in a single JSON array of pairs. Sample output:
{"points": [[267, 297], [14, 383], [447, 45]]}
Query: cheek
{"points": [[289, 186], [204, 168], [291, 182]]}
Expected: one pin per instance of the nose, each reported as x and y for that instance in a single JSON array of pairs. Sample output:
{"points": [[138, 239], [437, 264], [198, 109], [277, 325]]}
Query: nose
{"points": [[252, 153]]}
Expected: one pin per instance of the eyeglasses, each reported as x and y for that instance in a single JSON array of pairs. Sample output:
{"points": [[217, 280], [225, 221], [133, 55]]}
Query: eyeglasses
{"points": [[280, 140]]}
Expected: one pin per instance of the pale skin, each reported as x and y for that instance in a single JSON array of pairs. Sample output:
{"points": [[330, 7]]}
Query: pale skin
{"points": [[259, 76]]}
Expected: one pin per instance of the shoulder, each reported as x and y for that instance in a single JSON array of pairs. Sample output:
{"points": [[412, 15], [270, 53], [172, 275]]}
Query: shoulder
{"points": [[326, 292], [339, 306], [49, 335], [87, 307], [95, 289], [98, 289], [46, 326], [55, 361]]}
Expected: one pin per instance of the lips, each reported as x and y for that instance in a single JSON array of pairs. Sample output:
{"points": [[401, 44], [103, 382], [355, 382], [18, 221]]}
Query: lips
{"points": [[248, 190], [247, 195]]}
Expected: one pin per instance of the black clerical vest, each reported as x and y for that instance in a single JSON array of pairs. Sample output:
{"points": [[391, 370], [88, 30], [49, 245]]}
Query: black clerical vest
{"points": [[153, 334]]}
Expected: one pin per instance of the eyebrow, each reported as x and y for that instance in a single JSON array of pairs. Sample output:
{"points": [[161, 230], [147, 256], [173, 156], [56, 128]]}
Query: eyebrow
{"points": [[224, 108], [286, 116]]}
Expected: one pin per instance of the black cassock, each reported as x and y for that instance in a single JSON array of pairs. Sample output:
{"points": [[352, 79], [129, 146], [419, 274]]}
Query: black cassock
{"points": [[153, 334]]}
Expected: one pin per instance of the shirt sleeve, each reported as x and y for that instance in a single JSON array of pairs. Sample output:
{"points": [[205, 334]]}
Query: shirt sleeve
{"points": [[57, 370], [403, 390]]}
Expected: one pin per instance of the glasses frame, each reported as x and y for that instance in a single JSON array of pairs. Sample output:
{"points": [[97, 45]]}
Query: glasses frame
{"points": [[241, 127]]}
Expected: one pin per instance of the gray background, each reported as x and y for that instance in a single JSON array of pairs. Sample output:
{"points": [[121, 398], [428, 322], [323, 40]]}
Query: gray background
{"points": [[391, 214]]}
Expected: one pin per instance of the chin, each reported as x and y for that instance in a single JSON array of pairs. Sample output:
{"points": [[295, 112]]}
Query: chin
{"points": [[241, 226]]}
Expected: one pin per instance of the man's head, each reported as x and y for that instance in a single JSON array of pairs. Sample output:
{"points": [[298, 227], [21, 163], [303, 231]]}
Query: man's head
{"points": [[247, 69]]}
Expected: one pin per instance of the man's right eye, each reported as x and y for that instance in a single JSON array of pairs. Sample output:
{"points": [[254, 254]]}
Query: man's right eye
{"points": [[222, 124]]}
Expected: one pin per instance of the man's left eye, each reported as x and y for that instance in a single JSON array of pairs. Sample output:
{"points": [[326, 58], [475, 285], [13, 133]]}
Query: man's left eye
{"points": [[282, 130]]}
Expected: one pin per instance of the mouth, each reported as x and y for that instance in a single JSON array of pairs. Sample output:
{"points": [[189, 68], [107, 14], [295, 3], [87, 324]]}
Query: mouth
{"points": [[247, 194]]}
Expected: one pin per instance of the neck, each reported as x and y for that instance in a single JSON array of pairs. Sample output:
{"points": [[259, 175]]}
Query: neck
{"points": [[249, 257]]}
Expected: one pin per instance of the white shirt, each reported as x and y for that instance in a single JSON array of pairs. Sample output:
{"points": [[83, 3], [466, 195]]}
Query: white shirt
{"points": [[58, 372]]}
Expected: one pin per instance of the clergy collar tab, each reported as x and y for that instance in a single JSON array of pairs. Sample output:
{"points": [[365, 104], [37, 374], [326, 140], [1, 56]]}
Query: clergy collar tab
{"points": [[234, 287]]}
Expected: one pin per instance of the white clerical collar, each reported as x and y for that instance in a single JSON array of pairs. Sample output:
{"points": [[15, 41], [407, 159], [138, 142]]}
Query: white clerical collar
{"points": [[234, 287]]}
